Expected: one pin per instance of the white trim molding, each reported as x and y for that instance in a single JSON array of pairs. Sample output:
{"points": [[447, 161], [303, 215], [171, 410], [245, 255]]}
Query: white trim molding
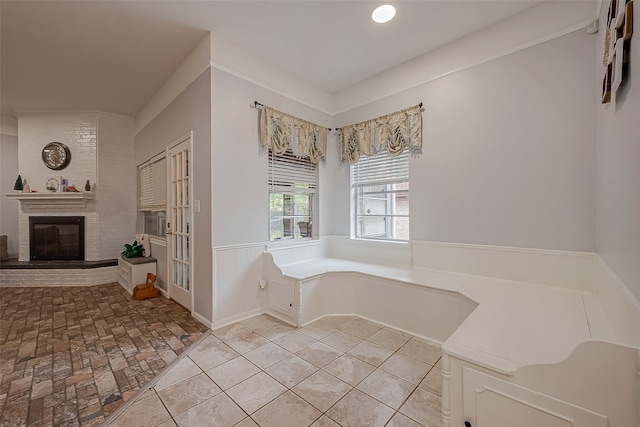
{"points": [[193, 66], [52, 201], [216, 324], [565, 269], [538, 24], [199, 317], [524, 30], [269, 87]]}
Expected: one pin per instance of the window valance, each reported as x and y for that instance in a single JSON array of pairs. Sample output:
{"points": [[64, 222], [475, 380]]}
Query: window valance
{"points": [[280, 131], [393, 133]]}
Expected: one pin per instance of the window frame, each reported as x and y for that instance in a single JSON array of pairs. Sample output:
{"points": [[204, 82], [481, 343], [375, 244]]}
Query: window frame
{"points": [[289, 175], [152, 194], [381, 175]]}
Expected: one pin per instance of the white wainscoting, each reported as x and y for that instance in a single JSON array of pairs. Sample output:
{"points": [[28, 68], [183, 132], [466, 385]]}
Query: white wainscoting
{"points": [[619, 304], [237, 271], [289, 253], [564, 269], [371, 251]]}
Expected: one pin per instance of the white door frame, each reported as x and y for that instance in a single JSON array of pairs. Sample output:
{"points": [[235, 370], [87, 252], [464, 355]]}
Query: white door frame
{"points": [[189, 137]]}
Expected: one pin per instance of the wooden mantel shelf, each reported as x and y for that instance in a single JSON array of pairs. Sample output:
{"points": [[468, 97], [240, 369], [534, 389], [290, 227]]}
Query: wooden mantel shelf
{"points": [[52, 200]]}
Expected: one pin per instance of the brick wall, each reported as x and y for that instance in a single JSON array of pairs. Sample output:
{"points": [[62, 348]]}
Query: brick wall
{"points": [[102, 151], [78, 131], [91, 242], [70, 277], [116, 200]]}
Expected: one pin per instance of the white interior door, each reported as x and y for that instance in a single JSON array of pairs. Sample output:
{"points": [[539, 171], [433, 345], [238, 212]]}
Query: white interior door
{"points": [[179, 224]]}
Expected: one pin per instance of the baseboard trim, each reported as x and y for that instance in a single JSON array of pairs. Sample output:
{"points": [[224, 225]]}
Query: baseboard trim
{"points": [[216, 324], [200, 318]]}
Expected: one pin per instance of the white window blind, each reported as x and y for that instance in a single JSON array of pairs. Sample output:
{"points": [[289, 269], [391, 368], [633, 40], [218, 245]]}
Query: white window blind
{"points": [[292, 184], [153, 185], [381, 196], [381, 169], [291, 174]]}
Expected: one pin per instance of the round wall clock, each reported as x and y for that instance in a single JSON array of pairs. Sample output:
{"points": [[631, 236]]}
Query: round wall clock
{"points": [[56, 156]]}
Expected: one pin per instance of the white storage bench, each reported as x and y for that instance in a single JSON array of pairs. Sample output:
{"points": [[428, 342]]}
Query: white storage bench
{"points": [[133, 271], [514, 353], [423, 303]]}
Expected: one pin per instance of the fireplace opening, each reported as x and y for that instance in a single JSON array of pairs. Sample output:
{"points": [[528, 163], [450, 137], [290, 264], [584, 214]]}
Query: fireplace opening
{"points": [[56, 238]]}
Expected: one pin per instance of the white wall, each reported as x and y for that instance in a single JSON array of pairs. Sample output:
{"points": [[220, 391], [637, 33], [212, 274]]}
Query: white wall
{"points": [[508, 151], [240, 194], [9, 208], [239, 164], [509, 160], [239, 61], [77, 130], [618, 177], [101, 147], [190, 111], [544, 21]]}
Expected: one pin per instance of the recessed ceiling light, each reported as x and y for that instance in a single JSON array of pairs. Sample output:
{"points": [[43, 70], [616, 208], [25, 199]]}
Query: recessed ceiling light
{"points": [[383, 13]]}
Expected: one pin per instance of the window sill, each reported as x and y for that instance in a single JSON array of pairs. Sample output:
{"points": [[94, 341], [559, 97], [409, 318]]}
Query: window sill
{"points": [[309, 241], [383, 241]]}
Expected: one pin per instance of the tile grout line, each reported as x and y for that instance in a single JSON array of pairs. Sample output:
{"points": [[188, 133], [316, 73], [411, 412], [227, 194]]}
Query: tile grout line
{"points": [[290, 389], [354, 387], [154, 381]]}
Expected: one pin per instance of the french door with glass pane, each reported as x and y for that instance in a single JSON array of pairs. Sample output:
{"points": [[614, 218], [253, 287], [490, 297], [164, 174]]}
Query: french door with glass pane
{"points": [[179, 223]]}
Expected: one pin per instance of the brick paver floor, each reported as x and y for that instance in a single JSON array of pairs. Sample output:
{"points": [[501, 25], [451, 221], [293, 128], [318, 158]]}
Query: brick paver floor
{"points": [[70, 356]]}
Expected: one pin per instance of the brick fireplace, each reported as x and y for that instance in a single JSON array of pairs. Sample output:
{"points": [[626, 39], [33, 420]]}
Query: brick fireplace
{"points": [[37, 208], [56, 238], [102, 152]]}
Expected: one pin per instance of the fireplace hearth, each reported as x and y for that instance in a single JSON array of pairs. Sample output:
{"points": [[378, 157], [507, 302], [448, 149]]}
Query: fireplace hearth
{"points": [[56, 238]]}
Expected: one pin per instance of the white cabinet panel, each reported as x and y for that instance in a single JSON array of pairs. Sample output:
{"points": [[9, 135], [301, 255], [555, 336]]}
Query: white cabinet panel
{"points": [[492, 402], [281, 296]]}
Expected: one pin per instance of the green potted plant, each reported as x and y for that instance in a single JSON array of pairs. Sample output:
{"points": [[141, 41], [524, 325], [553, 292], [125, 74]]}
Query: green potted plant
{"points": [[133, 250]]}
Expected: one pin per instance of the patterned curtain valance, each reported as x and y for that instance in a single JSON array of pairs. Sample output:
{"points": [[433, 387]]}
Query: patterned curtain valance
{"points": [[393, 133], [280, 131]]}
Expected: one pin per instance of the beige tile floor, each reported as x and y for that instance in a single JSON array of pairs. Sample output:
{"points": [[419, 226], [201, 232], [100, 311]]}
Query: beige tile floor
{"points": [[339, 371]]}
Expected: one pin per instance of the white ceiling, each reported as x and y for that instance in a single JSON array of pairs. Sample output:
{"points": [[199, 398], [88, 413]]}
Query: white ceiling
{"points": [[114, 55]]}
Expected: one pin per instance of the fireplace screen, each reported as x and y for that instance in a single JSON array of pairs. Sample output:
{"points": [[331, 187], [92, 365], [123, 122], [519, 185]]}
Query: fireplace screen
{"points": [[56, 238]]}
